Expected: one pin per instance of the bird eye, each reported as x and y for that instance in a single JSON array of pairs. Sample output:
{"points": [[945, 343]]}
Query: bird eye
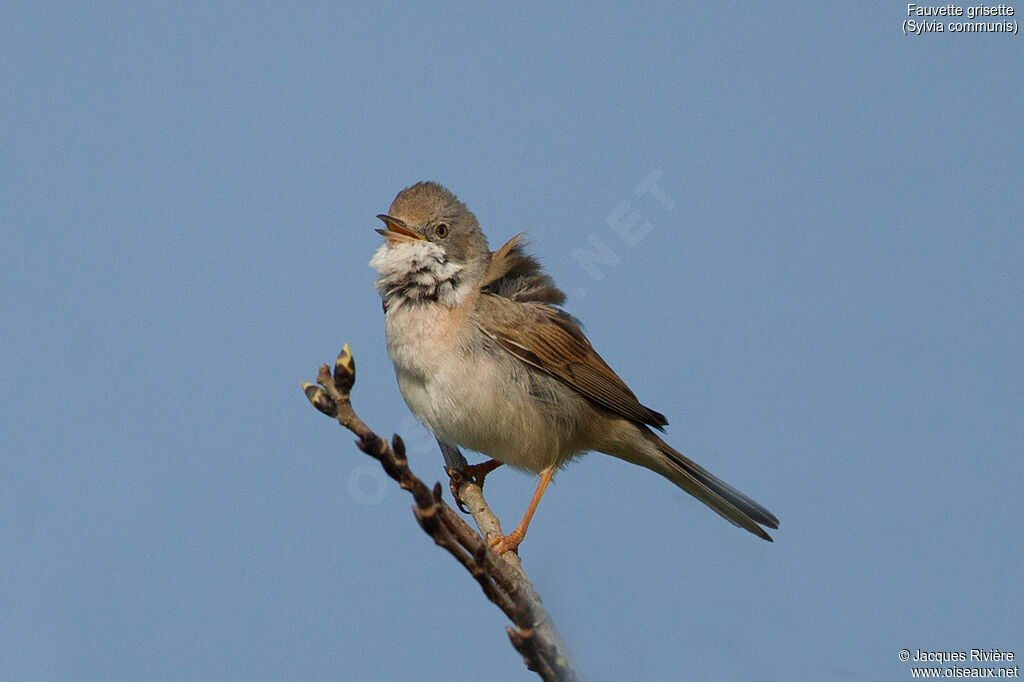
{"points": [[441, 230]]}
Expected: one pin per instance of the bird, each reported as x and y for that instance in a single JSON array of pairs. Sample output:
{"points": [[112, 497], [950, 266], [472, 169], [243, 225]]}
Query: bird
{"points": [[486, 359]]}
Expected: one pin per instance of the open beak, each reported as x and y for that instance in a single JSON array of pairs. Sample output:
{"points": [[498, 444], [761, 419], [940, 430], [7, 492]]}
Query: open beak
{"points": [[396, 232]]}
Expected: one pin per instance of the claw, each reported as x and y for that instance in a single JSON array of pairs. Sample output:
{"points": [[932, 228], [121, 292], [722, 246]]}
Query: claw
{"points": [[455, 479]]}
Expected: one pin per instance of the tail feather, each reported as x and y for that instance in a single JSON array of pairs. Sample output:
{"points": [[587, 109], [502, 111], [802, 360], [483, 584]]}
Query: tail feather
{"points": [[712, 491]]}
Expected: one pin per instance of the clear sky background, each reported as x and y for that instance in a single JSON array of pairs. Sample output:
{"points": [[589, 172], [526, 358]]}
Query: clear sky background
{"points": [[826, 303]]}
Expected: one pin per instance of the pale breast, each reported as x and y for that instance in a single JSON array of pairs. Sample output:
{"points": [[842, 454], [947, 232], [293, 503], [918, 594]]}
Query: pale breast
{"points": [[420, 337], [472, 393]]}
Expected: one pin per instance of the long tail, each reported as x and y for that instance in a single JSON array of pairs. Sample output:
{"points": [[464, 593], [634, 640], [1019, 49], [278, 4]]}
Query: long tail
{"points": [[708, 488]]}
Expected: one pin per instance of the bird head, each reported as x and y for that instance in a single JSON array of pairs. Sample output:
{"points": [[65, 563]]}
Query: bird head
{"points": [[435, 249]]}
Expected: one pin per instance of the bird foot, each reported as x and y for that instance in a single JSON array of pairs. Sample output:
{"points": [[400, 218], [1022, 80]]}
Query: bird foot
{"points": [[473, 472], [507, 543]]}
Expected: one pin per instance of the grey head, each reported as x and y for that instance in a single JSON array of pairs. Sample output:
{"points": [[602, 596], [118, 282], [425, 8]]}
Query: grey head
{"points": [[435, 250]]}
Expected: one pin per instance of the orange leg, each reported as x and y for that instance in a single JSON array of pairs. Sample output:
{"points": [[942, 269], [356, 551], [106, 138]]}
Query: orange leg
{"points": [[504, 543]]}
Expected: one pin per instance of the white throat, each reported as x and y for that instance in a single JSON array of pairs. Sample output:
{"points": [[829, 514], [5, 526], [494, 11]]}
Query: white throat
{"points": [[418, 271]]}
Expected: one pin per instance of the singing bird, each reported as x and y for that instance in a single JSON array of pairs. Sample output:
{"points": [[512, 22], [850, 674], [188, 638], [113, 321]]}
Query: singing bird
{"points": [[486, 359]]}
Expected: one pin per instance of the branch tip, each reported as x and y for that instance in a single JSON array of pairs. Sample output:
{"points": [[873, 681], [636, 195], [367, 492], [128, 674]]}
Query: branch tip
{"points": [[319, 399], [501, 578], [345, 370]]}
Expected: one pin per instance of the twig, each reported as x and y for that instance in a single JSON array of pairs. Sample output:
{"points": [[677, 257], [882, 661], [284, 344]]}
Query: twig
{"points": [[500, 577]]}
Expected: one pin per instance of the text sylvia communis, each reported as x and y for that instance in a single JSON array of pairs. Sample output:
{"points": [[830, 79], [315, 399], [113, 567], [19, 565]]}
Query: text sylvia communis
{"points": [[486, 360]]}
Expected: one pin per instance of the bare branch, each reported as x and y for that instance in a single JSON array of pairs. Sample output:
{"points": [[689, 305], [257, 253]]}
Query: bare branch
{"points": [[501, 578]]}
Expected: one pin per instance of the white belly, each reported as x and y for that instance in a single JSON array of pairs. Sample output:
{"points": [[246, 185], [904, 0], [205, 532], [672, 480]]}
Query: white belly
{"points": [[470, 393]]}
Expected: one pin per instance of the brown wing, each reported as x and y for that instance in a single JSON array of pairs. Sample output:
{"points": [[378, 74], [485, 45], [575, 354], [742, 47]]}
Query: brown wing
{"points": [[556, 346]]}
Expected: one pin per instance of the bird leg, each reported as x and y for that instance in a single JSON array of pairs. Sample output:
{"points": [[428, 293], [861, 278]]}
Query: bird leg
{"points": [[504, 543]]}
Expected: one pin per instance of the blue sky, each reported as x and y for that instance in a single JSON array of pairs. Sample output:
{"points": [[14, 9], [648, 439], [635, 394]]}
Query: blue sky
{"points": [[826, 303]]}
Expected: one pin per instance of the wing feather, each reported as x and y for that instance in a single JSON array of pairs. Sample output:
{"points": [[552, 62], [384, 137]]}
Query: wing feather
{"points": [[513, 274], [552, 342]]}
